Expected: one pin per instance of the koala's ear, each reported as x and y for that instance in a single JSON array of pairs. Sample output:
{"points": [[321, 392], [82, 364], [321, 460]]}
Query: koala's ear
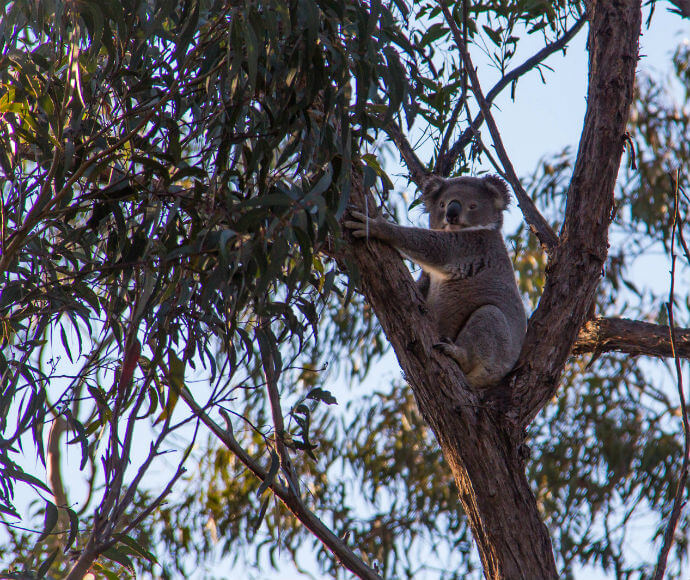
{"points": [[431, 187], [499, 190]]}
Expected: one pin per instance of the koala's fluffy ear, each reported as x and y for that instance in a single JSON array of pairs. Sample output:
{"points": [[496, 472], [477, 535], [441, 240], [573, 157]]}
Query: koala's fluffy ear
{"points": [[431, 187], [499, 189]]}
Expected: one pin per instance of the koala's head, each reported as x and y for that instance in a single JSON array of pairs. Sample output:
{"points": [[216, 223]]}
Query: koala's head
{"points": [[465, 202]]}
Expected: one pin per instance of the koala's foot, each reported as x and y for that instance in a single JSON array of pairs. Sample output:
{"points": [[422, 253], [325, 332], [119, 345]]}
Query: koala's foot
{"points": [[457, 353], [476, 374]]}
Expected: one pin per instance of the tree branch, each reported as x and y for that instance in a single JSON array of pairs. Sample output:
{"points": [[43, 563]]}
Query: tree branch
{"points": [[574, 270], [445, 162], [271, 375], [416, 168], [669, 534], [293, 502], [631, 337], [536, 221]]}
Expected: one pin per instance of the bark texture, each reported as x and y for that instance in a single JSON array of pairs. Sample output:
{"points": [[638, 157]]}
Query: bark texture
{"points": [[482, 446], [631, 337]]}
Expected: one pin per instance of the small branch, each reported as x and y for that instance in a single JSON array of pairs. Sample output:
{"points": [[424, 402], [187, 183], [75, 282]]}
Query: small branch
{"points": [[337, 546], [53, 467], [680, 490], [445, 161], [632, 337], [271, 375], [536, 221], [416, 168]]}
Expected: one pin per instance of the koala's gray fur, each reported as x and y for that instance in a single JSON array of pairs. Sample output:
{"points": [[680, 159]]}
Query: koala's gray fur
{"points": [[468, 280]]}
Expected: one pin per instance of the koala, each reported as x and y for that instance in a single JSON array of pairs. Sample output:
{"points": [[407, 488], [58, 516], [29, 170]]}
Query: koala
{"points": [[468, 280]]}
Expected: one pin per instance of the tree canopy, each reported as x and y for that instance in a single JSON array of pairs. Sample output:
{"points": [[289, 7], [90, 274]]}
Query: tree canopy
{"points": [[185, 324]]}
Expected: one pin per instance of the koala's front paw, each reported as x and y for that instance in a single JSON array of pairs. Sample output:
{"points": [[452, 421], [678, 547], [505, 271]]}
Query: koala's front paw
{"points": [[362, 227]]}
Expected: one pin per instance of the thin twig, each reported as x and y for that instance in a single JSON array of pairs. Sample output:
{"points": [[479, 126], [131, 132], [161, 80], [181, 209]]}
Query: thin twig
{"points": [[680, 490], [271, 374], [416, 168], [462, 102]]}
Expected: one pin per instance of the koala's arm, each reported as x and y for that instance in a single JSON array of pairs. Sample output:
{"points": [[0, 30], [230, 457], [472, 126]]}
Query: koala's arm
{"points": [[429, 248]]}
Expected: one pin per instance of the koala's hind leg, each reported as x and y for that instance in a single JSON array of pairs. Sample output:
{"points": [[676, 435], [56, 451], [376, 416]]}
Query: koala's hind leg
{"points": [[482, 348]]}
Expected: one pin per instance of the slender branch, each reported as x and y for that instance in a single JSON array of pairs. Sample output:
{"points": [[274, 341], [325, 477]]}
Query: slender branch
{"points": [[53, 470], [418, 172], [462, 102], [536, 221], [271, 375], [445, 162], [632, 337], [680, 490], [337, 546]]}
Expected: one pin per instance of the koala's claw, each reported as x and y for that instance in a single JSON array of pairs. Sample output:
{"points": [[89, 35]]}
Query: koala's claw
{"points": [[358, 229], [359, 215]]}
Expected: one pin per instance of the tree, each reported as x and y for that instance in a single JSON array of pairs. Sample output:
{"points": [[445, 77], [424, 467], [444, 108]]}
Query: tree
{"points": [[173, 271]]}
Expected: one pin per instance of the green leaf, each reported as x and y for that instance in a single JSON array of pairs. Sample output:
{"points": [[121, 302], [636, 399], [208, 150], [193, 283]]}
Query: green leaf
{"points": [[73, 528], [50, 521], [117, 555], [494, 35], [262, 513], [65, 343], [252, 46], [433, 33], [175, 375], [46, 564], [319, 394], [138, 549], [270, 476]]}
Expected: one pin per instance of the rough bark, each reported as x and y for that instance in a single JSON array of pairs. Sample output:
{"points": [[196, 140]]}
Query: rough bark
{"points": [[631, 337], [483, 447]]}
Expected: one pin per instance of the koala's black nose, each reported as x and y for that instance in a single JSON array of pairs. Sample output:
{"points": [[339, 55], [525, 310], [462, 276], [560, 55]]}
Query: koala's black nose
{"points": [[453, 211]]}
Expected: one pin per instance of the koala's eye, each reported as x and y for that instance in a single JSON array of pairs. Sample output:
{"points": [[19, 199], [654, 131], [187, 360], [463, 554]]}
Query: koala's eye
{"points": [[441, 204], [473, 205]]}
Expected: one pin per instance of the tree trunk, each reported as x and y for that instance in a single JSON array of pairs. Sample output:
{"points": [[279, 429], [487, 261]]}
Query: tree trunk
{"points": [[483, 447], [480, 447]]}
